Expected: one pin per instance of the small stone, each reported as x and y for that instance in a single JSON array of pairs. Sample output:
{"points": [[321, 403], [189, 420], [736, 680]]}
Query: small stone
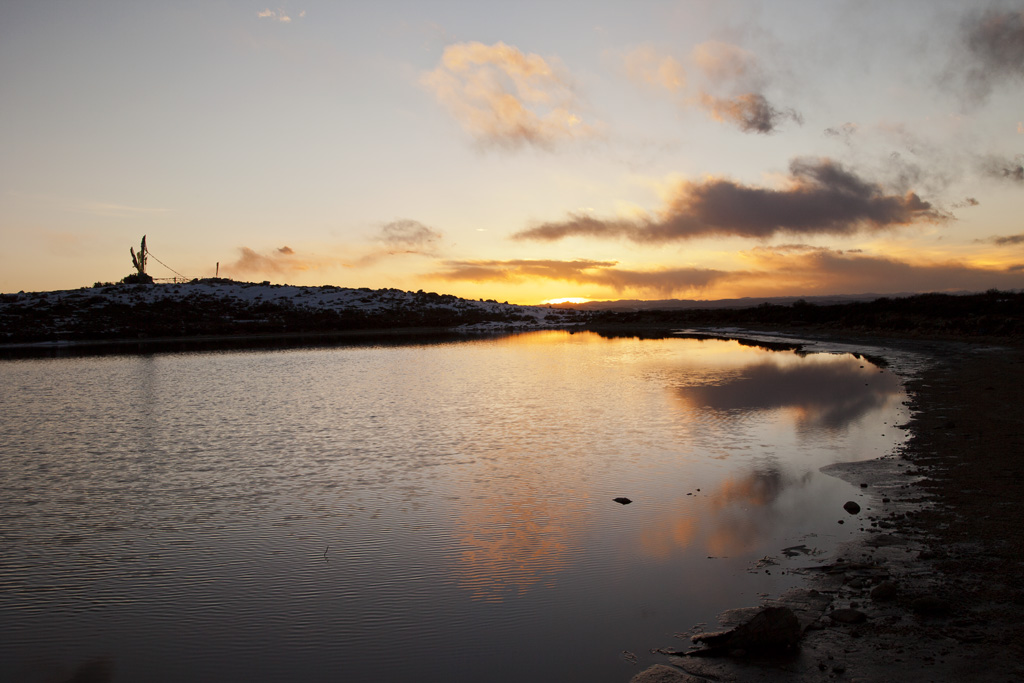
{"points": [[851, 507], [884, 592], [622, 500]]}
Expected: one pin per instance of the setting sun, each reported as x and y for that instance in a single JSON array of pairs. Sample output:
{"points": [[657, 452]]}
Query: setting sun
{"points": [[567, 300]]}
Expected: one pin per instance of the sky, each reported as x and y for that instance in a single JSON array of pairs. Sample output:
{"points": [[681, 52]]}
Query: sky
{"points": [[522, 152]]}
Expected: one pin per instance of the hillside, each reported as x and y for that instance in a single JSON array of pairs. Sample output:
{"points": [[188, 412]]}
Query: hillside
{"points": [[224, 307]]}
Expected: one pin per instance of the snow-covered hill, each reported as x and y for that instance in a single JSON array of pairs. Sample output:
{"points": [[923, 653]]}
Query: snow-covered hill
{"points": [[218, 306]]}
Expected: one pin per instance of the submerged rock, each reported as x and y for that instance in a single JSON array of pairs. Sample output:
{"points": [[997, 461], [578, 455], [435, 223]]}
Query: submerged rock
{"points": [[622, 500], [851, 507]]}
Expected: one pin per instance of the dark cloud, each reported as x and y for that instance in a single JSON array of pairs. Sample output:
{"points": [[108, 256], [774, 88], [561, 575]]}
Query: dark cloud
{"points": [[967, 201], [1007, 169], [1008, 240], [286, 250], [994, 42], [844, 132], [409, 235], [403, 236], [750, 112], [822, 197]]}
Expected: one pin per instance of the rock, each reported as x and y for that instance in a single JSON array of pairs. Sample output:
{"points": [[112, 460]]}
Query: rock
{"points": [[851, 507], [773, 630], [848, 616], [660, 673], [884, 592], [622, 500], [930, 606]]}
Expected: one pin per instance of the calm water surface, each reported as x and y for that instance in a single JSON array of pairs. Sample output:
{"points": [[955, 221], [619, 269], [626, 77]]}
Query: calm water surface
{"points": [[421, 512]]}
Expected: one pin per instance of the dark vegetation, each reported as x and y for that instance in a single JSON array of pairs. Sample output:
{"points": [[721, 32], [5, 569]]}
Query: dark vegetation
{"points": [[992, 315]]}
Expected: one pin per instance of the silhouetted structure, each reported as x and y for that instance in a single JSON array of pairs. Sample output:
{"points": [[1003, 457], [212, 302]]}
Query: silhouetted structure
{"points": [[139, 261]]}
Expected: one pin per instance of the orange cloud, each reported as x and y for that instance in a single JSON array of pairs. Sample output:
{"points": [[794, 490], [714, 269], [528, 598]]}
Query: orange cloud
{"points": [[278, 15], [601, 273], [506, 98], [645, 65]]}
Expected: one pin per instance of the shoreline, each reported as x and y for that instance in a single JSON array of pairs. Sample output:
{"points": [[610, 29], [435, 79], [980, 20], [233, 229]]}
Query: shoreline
{"points": [[940, 518]]}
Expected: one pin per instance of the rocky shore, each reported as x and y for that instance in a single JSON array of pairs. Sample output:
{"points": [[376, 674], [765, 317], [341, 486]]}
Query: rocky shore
{"points": [[933, 590]]}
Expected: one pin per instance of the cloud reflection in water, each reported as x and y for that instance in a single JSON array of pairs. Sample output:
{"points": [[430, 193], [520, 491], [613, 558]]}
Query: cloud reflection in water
{"points": [[829, 395]]}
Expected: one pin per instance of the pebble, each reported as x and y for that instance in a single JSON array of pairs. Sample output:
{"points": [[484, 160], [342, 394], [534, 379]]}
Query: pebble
{"points": [[848, 616]]}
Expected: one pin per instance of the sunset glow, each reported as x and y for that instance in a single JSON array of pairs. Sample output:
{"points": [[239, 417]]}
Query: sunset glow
{"points": [[522, 153], [567, 300]]}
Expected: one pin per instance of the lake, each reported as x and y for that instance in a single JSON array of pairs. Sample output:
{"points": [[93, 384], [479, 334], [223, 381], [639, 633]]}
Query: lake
{"points": [[420, 511]]}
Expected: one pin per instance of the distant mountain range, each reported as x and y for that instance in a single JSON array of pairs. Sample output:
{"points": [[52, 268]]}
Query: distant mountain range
{"points": [[746, 302]]}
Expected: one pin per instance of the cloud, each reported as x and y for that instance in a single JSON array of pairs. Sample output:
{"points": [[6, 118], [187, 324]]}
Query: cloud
{"points": [[1004, 241], [1006, 169], [967, 201], [585, 272], [750, 112], [505, 98], [828, 271], [994, 44], [278, 15], [644, 65], [844, 132], [785, 270], [282, 261], [822, 197], [401, 237], [731, 88], [409, 236]]}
